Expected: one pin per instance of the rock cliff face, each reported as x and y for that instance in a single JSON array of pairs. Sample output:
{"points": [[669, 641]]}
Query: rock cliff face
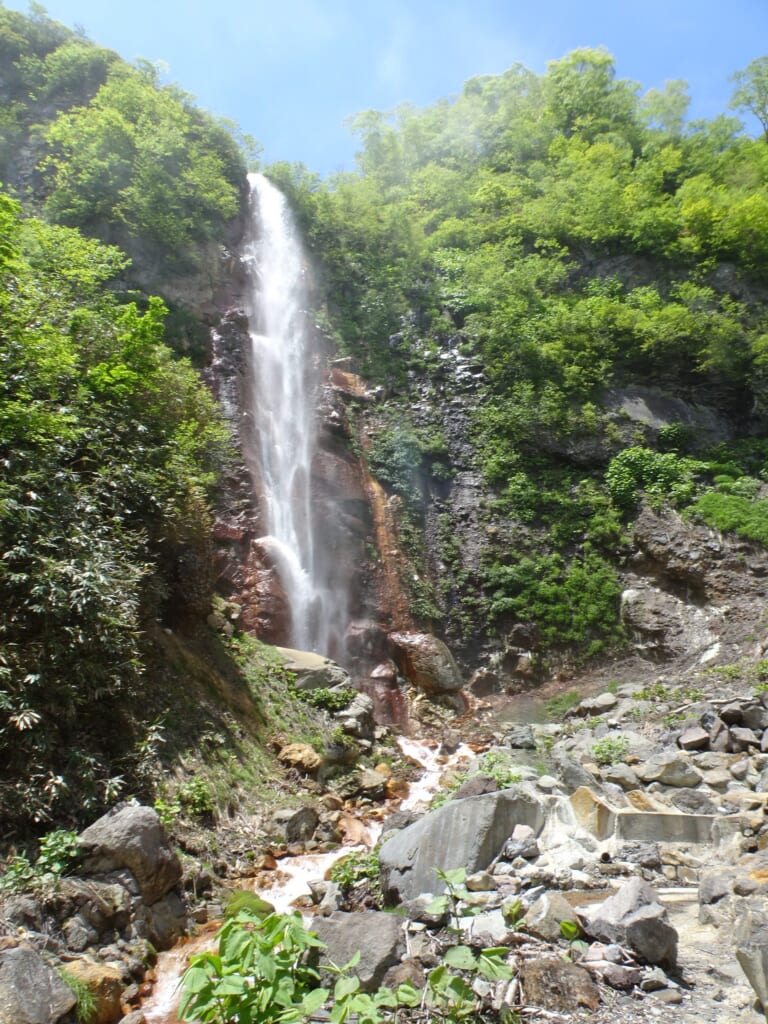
{"points": [[687, 589], [418, 564], [341, 499]]}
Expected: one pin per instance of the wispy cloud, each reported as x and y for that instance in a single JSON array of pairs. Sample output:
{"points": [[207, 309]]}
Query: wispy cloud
{"points": [[393, 63]]}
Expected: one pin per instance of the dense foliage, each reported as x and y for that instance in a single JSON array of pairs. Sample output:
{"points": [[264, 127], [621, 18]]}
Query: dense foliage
{"points": [[103, 146], [108, 446], [559, 235]]}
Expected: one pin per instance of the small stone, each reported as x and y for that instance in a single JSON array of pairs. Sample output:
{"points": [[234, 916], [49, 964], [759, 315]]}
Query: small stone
{"points": [[740, 769], [714, 886], [669, 769], [654, 979], [743, 738], [301, 756], [693, 801], [620, 977], [732, 714], [668, 996], [621, 775], [545, 916], [547, 783], [755, 717], [719, 736], [694, 738], [598, 705], [520, 737], [557, 985], [718, 779], [481, 881]]}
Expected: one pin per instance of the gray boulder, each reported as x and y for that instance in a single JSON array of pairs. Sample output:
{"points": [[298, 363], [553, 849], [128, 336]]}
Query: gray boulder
{"points": [[463, 833], [670, 769], [694, 738], [297, 824], [165, 921], [378, 936], [520, 737], [597, 705], [30, 991], [545, 916], [313, 671], [357, 719], [573, 774], [131, 836], [634, 917]]}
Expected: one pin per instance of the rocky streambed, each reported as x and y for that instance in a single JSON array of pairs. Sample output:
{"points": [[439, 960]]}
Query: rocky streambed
{"points": [[621, 866]]}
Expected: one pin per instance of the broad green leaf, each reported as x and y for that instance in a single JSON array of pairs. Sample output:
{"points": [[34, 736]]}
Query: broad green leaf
{"points": [[312, 1001], [493, 968], [345, 986], [454, 876], [231, 985], [461, 957], [439, 905], [196, 979]]}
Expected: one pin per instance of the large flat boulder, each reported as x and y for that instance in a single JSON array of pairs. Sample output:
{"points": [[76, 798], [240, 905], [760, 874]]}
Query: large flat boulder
{"points": [[313, 671], [465, 833]]}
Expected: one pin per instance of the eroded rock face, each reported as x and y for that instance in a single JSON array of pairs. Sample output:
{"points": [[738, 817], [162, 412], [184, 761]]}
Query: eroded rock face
{"points": [[663, 625], [132, 837], [426, 661], [685, 552]]}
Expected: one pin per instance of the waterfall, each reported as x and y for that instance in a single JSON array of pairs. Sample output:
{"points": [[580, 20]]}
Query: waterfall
{"points": [[285, 389]]}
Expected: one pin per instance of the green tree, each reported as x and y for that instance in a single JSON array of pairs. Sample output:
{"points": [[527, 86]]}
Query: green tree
{"points": [[109, 447], [138, 163], [751, 94]]}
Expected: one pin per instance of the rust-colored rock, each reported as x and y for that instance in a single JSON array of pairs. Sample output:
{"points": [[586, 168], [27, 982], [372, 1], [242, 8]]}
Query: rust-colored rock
{"points": [[557, 985], [105, 985], [300, 756]]}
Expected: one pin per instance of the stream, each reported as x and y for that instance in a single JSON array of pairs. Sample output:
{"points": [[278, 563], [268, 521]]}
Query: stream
{"points": [[294, 875]]}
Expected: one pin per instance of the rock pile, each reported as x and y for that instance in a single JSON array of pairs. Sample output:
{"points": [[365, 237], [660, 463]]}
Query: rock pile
{"points": [[104, 924]]}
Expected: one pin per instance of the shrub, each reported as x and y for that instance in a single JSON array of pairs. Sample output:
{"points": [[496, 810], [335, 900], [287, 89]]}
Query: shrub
{"points": [[663, 476], [572, 603], [57, 851], [358, 866], [733, 512], [610, 749]]}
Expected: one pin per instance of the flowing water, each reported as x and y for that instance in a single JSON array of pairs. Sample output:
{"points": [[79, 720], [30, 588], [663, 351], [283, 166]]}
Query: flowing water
{"points": [[293, 878], [286, 379], [285, 385]]}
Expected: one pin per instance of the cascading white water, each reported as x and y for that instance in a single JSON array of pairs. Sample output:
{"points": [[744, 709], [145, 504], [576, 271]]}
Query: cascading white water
{"points": [[285, 389]]}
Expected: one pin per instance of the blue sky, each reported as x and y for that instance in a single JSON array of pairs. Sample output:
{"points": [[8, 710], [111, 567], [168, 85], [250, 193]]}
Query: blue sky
{"points": [[291, 71]]}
